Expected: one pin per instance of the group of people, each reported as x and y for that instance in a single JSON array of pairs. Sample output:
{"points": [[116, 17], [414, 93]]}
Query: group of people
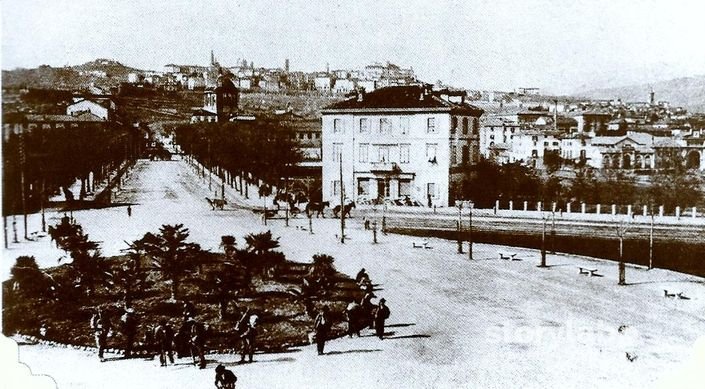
{"points": [[189, 340], [358, 315]]}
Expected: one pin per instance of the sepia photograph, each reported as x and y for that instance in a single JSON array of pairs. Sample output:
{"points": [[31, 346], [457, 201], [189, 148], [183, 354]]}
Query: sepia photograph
{"points": [[352, 194]]}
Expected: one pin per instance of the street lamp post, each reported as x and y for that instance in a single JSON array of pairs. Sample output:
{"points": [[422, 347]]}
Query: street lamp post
{"points": [[460, 226], [651, 239], [543, 242], [470, 232]]}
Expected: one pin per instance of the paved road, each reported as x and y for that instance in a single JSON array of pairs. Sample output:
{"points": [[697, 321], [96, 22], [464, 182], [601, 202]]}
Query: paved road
{"points": [[454, 323]]}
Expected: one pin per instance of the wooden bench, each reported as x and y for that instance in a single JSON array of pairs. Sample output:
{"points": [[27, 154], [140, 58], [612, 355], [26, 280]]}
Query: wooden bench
{"points": [[508, 255], [423, 245], [590, 272]]}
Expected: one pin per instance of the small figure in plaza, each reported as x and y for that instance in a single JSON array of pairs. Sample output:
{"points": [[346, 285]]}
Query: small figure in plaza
{"points": [[360, 275], [130, 323], [164, 337], [367, 310], [129, 211], [100, 324], [321, 326], [430, 202], [381, 314], [224, 378], [197, 342], [367, 224], [248, 335], [352, 315]]}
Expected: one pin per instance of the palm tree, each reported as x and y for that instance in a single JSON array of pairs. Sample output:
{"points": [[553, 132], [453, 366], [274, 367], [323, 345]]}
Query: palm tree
{"points": [[171, 255], [261, 246], [29, 279], [323, 269]]}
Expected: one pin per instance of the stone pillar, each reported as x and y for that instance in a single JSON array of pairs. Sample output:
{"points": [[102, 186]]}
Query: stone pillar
{"points": [[660, 211], [538, 206], [678, 212], [629, 210], [553, 206], [511, 205], [614, 209], [526, 205], [695, 212], [567, 208], [644, 212], [496, 205], [582, 207], [599, 207]]}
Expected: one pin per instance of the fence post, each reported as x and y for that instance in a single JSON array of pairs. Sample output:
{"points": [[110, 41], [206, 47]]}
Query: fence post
{"points": [[644, 210], [695, 212], [526, 205], [511, 205], [678, 212], [660, 211], [538, 206], [582, 207], [599, 206], [629, 210], [496, 205], [567, 206], [614, 209]]}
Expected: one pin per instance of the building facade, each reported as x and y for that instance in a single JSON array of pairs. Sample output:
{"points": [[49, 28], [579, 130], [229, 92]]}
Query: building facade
{"points": [[406, 142]]}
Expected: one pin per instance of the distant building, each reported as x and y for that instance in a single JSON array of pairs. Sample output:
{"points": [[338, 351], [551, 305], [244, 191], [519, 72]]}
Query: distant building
{"points": [[399, 142], [219, 104], [323, 83], [103, 109]]}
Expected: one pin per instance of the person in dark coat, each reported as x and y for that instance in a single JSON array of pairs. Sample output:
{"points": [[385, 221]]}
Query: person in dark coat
{"points": [[248, 335], [224, 378], [352, 315], [381, 314], [367, 310], [197, 341], [130, 324], [361, 275], [321, 326], [100, 324], [164, 337]]}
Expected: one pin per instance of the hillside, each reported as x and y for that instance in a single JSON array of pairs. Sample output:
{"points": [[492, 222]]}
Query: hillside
{"points": [[100, 72], [688, 92]]}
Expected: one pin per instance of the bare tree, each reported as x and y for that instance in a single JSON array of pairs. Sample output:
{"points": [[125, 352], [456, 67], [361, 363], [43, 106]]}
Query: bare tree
{"points": [[622, 226]]}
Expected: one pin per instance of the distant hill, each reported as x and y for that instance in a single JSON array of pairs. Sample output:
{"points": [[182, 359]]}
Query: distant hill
{"points": [[688, 92], [101, 72]]}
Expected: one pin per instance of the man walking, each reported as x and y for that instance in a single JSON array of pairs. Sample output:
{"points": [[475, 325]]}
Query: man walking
{"points": [[352, 315], [197, 342], [164, 337], [248, 336], [100, 323], [129, 329], [381, 314], [321, 326]]}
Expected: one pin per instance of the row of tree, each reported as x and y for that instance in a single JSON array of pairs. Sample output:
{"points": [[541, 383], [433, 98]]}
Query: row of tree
{"points": [[671, 186], [262, 149]]}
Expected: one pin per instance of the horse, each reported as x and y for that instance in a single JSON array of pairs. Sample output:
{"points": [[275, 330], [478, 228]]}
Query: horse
{"points": [[216, 203], [346, 209], [318, 208]]}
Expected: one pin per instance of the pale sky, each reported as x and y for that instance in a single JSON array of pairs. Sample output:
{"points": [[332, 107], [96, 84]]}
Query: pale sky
{"points": [[559, 46]]}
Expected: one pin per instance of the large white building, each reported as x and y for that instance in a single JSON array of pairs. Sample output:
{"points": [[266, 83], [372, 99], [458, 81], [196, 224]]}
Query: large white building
{"points": [[405, 142]]}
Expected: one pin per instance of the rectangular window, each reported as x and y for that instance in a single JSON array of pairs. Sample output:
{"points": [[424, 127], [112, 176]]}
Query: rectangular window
{"points": [[382, 153], [404, 153], [431, 125], [466, 154], [453, 154], [465, 126], [364, 125], [337, 151], [404, 125], [337, 125], [336, 187], [431, 152], [404, 188], [385, 126], [363, 186], [476, 126], [362, 155], [431, 190], [453, 124]]}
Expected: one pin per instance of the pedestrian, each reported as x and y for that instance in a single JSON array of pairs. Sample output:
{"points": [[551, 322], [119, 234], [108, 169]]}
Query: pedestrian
{"points": [[130, 324], [321, 326], [100, 324], [360, 275], [129, 211], [248, 327], [197, 342], [352, 315], [367, 310], [430, 202], [224, 378], [164, 337], [381, 314]]}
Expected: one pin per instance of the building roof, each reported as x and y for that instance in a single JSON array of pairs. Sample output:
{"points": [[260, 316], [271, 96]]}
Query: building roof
{"points": [[402, 97], [85, 117]]}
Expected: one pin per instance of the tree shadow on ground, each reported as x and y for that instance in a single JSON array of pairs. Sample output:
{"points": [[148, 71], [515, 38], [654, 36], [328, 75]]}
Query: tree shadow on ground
{"points": [[667, 282], [414, 336], [400, 325], [352, 351]]}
